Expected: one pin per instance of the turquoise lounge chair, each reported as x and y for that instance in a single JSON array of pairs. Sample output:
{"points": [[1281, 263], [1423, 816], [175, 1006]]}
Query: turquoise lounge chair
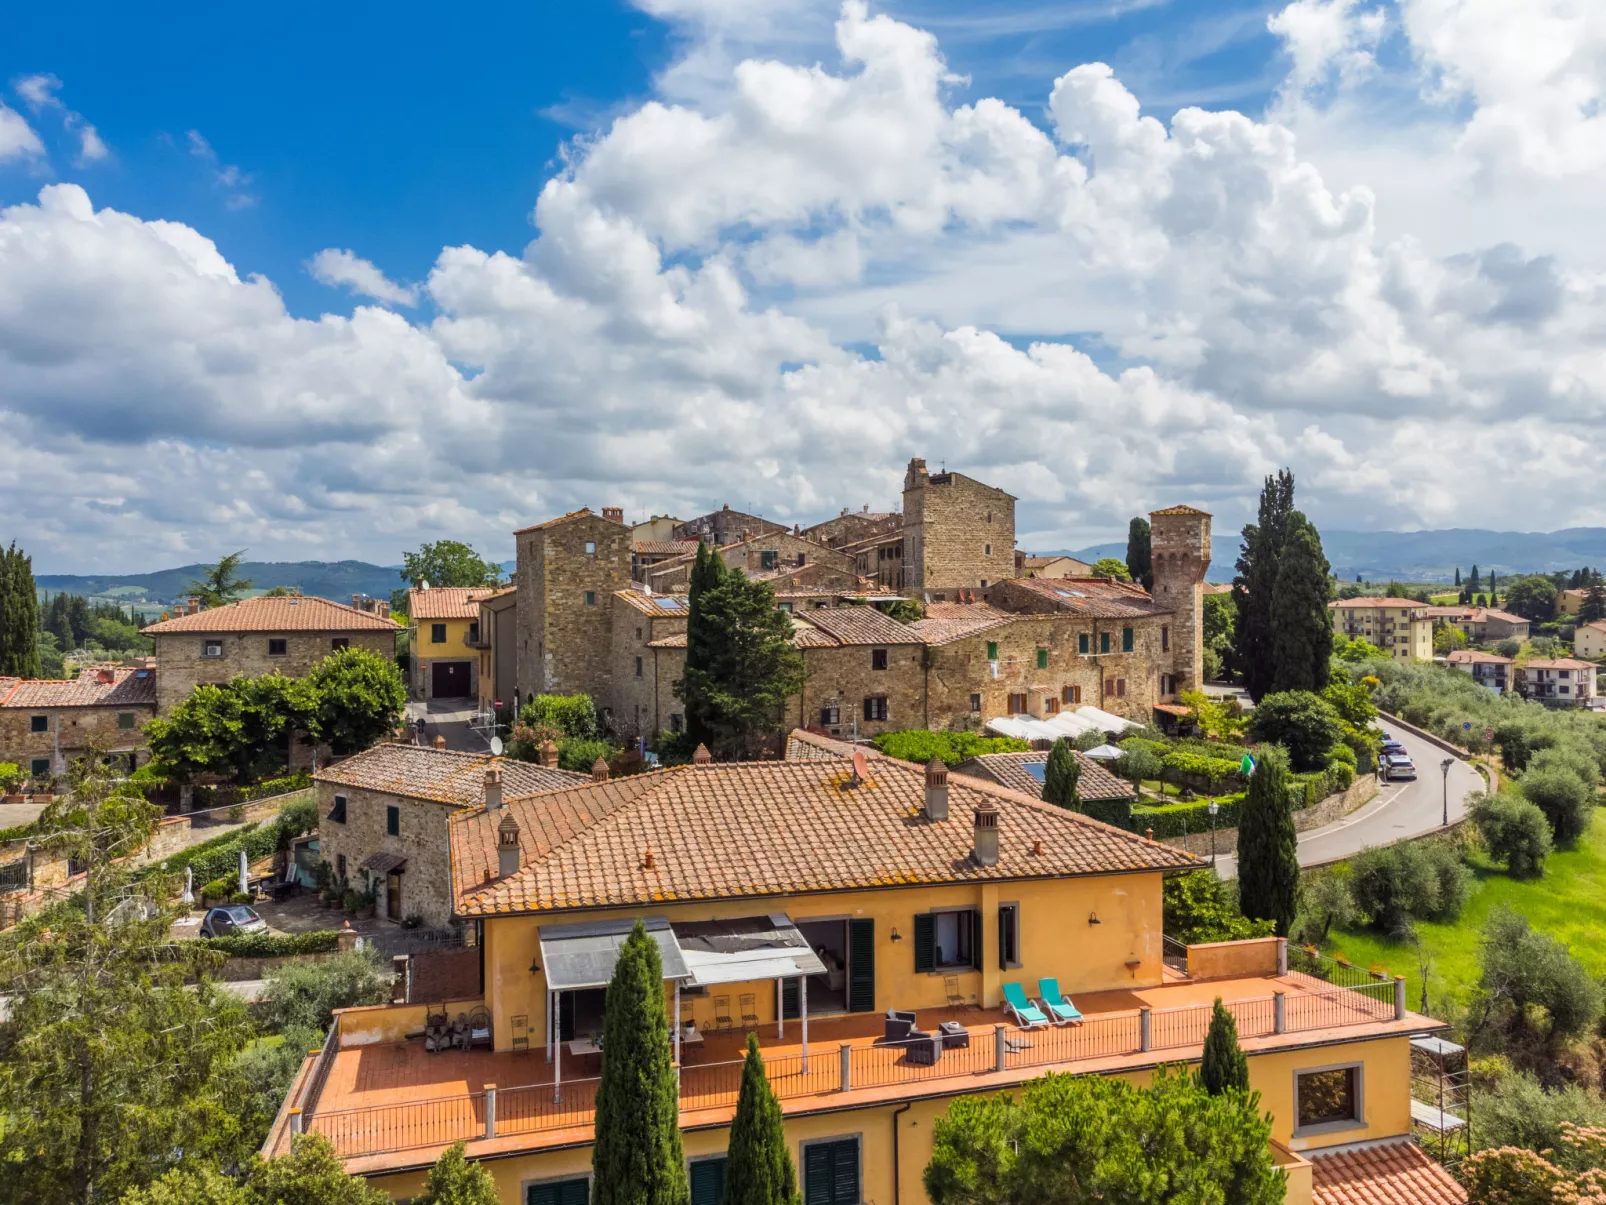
{"points": [[1058, 1004], [1027, 1015]]}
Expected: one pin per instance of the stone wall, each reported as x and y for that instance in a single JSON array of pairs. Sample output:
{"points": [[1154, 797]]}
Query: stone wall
{"points": [[1323, 812], [958, 532], [181, 663], [724, 526], [564, 616], [633, 696], [426, 879], [1180, 545], [70, 731]]}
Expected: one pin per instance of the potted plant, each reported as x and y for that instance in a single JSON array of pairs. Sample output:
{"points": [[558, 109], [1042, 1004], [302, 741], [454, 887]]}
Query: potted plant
{"points": [[352, 900], [370, 901]]}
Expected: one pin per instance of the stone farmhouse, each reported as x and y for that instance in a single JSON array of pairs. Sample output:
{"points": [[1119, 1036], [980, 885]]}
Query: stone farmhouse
{"points": [[45, 724]]}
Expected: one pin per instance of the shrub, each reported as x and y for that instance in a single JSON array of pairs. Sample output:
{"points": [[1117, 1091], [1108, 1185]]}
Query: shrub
{"points": [[1325, 903], [1571, 757], [1183, 766], [278, 786], [305, 994], [1177, 819], [1518, 1111], [219, 889], [574, 716], [1515, 831], [273, 945], [1564, 799], [919, 746], [11, 777], [1199, 907], [580, 755], [1303, 723], [1415, 880], [1523, 968], [1139, 764]]}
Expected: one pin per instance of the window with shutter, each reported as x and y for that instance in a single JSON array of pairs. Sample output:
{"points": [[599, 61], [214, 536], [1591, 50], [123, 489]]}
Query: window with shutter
{"points": [[791, 1006], [559, 1192], [1126, 640], [992, 650], [1042, 658], [975, 940], [1165, 638], [861, 966], [925, 942], [831, 1172], [1008, 936], [1081, 643], [1104, 642], [338, 812], [707, 1180], [392, 821]]}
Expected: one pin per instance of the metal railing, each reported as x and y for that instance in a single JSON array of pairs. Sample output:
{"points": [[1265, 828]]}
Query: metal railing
{"points": [[1320, 966]]}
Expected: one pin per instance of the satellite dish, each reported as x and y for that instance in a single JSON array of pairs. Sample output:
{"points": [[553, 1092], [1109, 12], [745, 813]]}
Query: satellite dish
{"points": [[496, 746]]}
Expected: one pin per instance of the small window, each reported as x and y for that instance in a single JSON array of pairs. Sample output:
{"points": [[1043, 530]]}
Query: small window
{"points": [[677, 722], [340, 642], [474, 632], [830, 717], [1017, 704], [830, 1172], [1165, 638], [638, 667], [1051, 706], [802, 559], [591, 547], [707, 1180], [975, 704], [784, 606], [1042, 658], [125, 719], [212, 648], [338, 812], [987, 550], [1327, 1098], [38, 723], [437, 633], [340, 867], [560, 1192], [1071, 695], [1104, 642], [947, 940], [875, 707], [39, 767], [278, 646], [392, 820], [1126, 640], [878, 658], [992, 650], [1008, 936], [1081, 644], [591, 598], [638, 633], [1115, 688], [984, 583], [767, 560]]}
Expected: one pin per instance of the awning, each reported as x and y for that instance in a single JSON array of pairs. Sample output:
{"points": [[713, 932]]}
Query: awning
{"points": [[745, 948], [383, 863], [583, 955]]}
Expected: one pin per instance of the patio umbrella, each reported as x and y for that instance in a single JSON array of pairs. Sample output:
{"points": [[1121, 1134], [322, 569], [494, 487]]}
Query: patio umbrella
{"points": [[189, 886], [1104, 753], [245, 885]]}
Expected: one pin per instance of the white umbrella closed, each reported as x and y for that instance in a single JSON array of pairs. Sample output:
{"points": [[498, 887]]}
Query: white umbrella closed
{"points": [[245, 884], [189, 886]]}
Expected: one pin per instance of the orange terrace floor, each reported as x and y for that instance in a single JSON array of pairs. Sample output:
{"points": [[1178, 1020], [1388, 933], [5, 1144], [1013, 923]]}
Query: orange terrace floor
{"points": [[389, 1106]]}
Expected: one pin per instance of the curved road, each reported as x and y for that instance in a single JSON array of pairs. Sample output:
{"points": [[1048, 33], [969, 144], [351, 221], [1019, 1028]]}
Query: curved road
{"points": [[1400, 810]]}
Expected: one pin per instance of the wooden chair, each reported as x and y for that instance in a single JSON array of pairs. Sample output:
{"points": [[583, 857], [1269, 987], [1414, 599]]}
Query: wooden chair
{"points": [[950, 986], [749, 1010], [521, 1032], [722, 1013]]}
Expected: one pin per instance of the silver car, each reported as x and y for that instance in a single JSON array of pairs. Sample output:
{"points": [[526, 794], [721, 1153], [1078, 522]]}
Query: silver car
{"points": [[1398, 765], [231, 921]]}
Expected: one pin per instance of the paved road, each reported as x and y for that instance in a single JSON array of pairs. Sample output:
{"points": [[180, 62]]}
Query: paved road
{"points": [[1401, 809]]}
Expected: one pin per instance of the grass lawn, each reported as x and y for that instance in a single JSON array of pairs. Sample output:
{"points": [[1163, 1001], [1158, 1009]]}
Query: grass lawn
{"points": [[1569, 904]]}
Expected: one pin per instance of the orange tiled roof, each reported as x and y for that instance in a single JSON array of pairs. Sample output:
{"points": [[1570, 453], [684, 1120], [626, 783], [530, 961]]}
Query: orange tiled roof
{"points": [[277, 613], [442, 775], [1561, 663], [755, 829], [128, 688], [1376, 601], [666, 547], [583, 512], [860, 625], [947, 622], [1181, 510], [803, 637], [1009, 770], [448, 602], [1476, 657], [1095, 597], [661, 605], [1394, 1172]]}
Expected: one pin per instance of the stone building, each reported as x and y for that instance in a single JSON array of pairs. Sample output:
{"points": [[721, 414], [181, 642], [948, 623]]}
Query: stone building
{"points": [[632, 703], [1180, 547], [285, 634], [647, 553], [1050, 566], [45, 724], [498, 647], [445, 623], [957, 531], [568, 568], [879, 558], [725, 526], [773, 553], [382, 819], [854, 526]]}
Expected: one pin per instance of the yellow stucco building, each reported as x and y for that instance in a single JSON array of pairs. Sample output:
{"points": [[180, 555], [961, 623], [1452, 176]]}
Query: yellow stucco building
{"points": [[446, 644], [1400, 627], [804, 899]]}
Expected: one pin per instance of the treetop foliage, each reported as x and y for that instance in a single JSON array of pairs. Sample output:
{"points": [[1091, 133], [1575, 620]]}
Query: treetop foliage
{"points": [[221, 583]]}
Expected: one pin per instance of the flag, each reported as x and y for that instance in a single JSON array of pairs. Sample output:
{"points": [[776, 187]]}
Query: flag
{"points": [[1247, 766]]}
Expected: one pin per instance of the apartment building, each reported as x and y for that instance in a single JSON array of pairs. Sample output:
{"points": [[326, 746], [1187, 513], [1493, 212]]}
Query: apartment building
{"points": [[801, 900], [444, 623], [1400, 627], [1482, 625], [1490, 670], [1589, 640], [1563, 682]]}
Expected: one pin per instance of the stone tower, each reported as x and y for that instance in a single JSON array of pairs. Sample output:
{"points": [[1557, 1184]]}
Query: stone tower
{"points": [[1180, 545], [957, 532]]}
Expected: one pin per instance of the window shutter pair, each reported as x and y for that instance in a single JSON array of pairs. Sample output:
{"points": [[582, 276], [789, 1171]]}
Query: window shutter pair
{"points": [[707, 1181]]}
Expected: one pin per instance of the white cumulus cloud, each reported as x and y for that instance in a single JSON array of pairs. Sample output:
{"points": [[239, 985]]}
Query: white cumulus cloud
{"points": [[345, 269], [17, 139]]}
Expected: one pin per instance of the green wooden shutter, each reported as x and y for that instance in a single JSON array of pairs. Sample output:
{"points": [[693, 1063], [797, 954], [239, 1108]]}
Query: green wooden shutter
{"points": [[817, 1165], [845, 1172], [1126, 640], [1104, 642], [992, 650], [791, 1009], [975, 940], [925, 942], [861, 966], [1081, 643], [1042, 658], [559, 1192], [707, 1181]]}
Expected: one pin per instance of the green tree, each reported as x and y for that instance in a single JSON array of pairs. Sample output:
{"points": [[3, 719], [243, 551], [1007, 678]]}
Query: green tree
{"points": [[1061, 775], [1225, 1065], [1563, 797], [1474, 583], [758, 1168], [1593, 608], [1268, 850], [454, 1180], [221, 583], [1447, 638], [1302, 626], [112, 1055], [742, 666], [1303, 723], [302, 996], [353, 698], [1219, 633], [1532, 597], [19, 615], [190, 1184], [1086, 1139], [1352, 702], [238, 728], [311, 1174], [637, 1158], [1199, 907], [1139, 558], [1522, 969], [1108, 566], [1396, 885], [444, 563], [1255, 583], [1325, 903], [1515, 831]]}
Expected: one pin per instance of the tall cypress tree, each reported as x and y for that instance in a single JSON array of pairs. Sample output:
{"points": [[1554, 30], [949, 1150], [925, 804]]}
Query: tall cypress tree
{"points": [[637, 1158], [1061, 774], [1257, 578], [1474, 583], [758, 1167], [19, 615], [1268, 847], [706, 571], [1458, 575], [1301, 624], [1225, 1065], [1139, 558]]}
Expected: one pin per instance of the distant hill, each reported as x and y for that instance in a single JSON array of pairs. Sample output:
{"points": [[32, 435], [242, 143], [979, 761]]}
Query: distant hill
{"points": [[337, 580]]}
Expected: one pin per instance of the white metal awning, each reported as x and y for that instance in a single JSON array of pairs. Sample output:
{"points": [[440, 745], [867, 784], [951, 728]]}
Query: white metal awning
{"points": [[1067, 723], [583, 955], [744, 949]]}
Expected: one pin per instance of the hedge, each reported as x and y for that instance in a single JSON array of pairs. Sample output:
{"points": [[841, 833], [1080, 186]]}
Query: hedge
{"points": [[273, 945], [919, 746], [1175, 819], [1212, 769], [18, 831], [219, 857]]}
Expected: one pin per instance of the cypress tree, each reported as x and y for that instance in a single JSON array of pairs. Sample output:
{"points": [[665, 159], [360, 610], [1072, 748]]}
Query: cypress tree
{"points": [[1256, 579], [19, 615], [1060, 776], [637, 1157], [706, 571], [1225, 1065], [1474, 583], [1268, 850], [1302, 626], [758, 1167], [1139, 560], [1458, 575]]}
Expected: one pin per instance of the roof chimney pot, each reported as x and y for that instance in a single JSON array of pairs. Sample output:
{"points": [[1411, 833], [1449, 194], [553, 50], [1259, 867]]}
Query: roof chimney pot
{"points": [[549, 755], [599, 770], [986, 850], [614, 514], [493, 789], [936, 789], [440, 742], [507, 846], [701, 756], [648, 862]]}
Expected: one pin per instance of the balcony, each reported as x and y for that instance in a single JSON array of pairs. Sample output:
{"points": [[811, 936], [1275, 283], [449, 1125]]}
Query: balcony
{"points": [[386, 1104]]}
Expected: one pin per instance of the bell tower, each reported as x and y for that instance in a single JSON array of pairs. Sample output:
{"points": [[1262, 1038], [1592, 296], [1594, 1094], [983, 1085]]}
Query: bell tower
{"points": [[1179, 542]]}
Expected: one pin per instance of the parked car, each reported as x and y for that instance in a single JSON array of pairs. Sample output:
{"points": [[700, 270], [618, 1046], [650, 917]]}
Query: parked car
{"points": [[1397, 765], [232, 921], [1390, 745]]}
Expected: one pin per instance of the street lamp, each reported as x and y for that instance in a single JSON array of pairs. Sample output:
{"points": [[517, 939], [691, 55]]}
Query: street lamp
{"points": [[1213, 807], [1445, 766]]}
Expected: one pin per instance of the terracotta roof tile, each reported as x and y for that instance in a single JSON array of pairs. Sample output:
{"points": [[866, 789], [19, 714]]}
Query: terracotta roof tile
{"points": [[1009, 770], [1561, 663], [442, 775], [277, 613], [947, 622], [1181, 510], [1371, 601], [1476, 657], [754, 829], [1097, 597], [666, 547], [662, 605], [1395, 1172], [582, 513], [128, 688], [861, 625], [447, 602]]}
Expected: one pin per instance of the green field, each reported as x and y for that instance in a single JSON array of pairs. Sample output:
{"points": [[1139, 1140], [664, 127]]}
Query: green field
{"points": [[1569, 903]]}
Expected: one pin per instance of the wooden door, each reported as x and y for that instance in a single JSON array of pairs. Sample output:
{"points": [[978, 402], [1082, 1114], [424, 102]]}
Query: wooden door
{"points": [[393, 902]]}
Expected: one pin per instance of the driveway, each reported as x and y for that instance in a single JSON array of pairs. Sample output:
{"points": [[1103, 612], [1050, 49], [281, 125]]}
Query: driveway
{"points": [[450, 718], [1400, 811]]}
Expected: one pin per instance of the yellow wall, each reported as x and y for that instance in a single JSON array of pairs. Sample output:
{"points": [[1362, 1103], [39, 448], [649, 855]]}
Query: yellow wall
{"points": [[1056, 940], [453, 650]]}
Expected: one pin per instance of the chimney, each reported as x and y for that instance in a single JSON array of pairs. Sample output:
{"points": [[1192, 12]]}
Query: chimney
{"points": [[599, 771], [105, 676], [356, 602], [701, 756], [648, 862], [195, 604], [440, 742], [549, 755], [493, 789], [614, 514], [507, 846], [986, 851], [936, 789]]}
